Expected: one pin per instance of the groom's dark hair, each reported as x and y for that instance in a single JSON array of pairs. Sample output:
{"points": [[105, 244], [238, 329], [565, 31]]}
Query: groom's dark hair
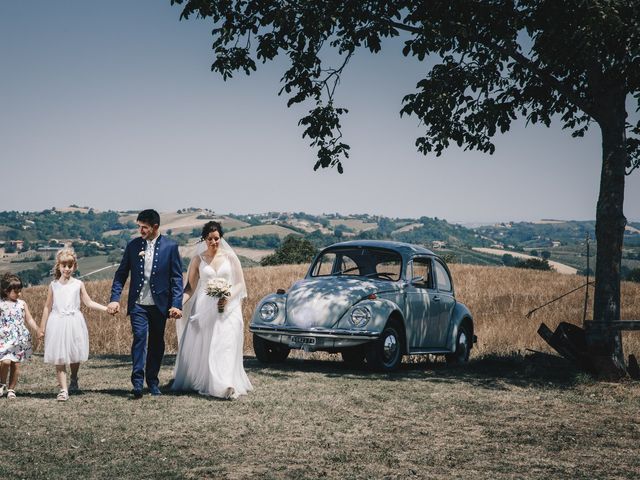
{"points": [[150, 217]]}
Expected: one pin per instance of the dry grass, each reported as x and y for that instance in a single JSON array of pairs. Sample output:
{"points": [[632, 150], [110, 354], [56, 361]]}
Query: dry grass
{"points": [[354, 223], [282, 232], [504, 415], [499, 298], [494, 419]]}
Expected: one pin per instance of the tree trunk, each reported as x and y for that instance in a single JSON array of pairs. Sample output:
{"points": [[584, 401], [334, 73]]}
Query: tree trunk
{"points": [[610, 224]]}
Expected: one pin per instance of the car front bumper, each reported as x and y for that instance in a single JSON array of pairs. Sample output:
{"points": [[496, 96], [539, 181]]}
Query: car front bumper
{"points": [[313, 338]]}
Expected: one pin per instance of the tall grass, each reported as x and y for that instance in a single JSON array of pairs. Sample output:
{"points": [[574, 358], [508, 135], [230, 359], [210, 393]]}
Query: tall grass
{"points": [[498, 297]]}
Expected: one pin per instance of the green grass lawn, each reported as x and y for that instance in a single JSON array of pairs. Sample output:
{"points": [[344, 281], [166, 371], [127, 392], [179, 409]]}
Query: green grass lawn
{"points": [[515, 417]]}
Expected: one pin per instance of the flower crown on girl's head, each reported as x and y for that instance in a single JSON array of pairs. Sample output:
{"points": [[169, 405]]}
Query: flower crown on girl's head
{"points": [[65, 256]]}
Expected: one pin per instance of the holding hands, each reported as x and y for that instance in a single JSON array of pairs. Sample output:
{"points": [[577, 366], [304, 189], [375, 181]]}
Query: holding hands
{"points": [[113, 308]]}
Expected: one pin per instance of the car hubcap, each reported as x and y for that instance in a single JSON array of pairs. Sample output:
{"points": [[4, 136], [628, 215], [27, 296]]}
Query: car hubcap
{"points": [[390, 347], [462, 344]]}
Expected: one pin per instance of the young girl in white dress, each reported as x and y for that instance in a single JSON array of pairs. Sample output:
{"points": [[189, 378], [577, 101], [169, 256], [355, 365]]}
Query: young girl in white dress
{"points": [[15, 341], [66, 340]]}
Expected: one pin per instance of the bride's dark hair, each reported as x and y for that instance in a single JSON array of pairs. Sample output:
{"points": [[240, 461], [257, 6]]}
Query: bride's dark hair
{"points": [[209, 227]]}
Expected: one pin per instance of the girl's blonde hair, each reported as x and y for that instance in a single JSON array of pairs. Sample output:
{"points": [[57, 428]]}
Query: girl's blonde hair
{"points": [[65, 256]]}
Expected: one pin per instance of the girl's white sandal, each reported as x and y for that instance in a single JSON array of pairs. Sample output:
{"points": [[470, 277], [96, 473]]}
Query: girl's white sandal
{"points": [[11, 394], [63, 396]]}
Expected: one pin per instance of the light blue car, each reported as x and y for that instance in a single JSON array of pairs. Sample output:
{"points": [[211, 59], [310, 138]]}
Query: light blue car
{"points": [[372, 301]]}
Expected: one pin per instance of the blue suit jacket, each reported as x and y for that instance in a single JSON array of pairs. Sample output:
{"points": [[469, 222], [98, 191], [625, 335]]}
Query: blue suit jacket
{"points": [[166, 274]]}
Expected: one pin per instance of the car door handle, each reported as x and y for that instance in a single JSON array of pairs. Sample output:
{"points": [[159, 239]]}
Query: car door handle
{"points": [[436, 299]]}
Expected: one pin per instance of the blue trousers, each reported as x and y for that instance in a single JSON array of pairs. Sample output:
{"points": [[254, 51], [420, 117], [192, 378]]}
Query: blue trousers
{"points": [[147, 322]]}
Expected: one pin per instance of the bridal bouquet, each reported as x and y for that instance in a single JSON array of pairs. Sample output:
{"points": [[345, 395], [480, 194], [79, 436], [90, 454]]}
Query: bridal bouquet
{"points": [[218, 288]]}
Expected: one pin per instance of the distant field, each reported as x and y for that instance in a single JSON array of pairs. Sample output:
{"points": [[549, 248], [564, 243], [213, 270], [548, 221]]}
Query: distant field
{"points": [[468, 256], [355, 224], [16, 267], [253, 253], [559, 267], [183, 222], [91, 264], [407, 228], [262, 230], [309, 226]]}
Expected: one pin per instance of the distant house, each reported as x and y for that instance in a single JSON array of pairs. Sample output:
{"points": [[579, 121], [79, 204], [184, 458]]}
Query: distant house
{"points": [[48, 249], [555, 243], [438, 244]]}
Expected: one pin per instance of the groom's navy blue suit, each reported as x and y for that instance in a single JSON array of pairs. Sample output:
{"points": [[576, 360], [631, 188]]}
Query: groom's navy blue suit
{"points": [[149, 320]]}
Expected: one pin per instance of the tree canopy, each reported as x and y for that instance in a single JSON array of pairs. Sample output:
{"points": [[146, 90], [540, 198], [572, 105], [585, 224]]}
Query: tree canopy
{"points": [[492, 62], [496, 61]]}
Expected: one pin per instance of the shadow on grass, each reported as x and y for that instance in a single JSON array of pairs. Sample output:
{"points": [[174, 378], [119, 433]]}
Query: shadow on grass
{"points": [[496, 372], [492, 372]]}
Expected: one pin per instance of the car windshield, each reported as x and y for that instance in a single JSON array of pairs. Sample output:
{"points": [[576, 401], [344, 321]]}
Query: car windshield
{"points": [[375, 263]]}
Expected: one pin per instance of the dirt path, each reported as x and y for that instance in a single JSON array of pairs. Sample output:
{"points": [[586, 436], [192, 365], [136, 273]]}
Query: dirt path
{"points": [[557, 266]]}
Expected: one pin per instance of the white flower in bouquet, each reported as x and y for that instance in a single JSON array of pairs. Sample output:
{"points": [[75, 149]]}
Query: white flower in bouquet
{"points": [[218, 288]]}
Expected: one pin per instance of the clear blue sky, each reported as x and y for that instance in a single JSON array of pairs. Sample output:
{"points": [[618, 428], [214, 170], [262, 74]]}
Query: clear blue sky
{"points": [[113, 105]]}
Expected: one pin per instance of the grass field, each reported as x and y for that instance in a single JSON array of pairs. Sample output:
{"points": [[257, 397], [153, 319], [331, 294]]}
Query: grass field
{"points": [[182, 222], [355, 224], [509, 413], [499, 418], [262, 230]]}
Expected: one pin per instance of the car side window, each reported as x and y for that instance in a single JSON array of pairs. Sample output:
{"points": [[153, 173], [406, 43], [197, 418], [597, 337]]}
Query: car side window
{"points": [[442, 277], [348, 266], [422, 268], [324, 266]]}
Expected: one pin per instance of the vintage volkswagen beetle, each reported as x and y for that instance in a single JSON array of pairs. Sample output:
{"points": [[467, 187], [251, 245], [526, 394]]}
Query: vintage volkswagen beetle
{"points": [[373, 300]]}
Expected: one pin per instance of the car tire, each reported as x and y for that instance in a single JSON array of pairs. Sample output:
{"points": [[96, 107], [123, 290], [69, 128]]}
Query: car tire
{"points": [[385, 353], [269, 352], [354, 356], [463, 347]]}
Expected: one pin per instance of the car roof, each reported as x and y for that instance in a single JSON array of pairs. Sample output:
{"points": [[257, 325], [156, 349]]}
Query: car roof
{"points": [[405, 249]]}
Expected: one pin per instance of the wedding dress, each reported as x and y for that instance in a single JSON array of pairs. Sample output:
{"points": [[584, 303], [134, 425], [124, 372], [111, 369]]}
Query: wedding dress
{"points": [[210, 343]]}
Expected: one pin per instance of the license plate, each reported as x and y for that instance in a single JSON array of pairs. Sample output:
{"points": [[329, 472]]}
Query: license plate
{"points": [[304, 340]]}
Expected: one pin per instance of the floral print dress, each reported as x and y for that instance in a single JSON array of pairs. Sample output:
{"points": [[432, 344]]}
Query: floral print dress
{"points": [[15, 341]]}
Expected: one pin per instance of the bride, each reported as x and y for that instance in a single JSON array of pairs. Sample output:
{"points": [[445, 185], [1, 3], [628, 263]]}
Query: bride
{"points": [[211, 342]]}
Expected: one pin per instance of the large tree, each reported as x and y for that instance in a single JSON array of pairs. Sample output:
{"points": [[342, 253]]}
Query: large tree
{"points": [[576, 62]]}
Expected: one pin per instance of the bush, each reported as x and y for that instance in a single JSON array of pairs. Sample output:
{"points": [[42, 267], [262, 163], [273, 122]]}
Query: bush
{"points": [[294, 249], [508, 260], [633, 275], [533, 264]]}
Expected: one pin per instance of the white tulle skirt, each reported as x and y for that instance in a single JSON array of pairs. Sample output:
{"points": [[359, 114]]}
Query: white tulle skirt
{"points": [[210, 355], [66, 339]]}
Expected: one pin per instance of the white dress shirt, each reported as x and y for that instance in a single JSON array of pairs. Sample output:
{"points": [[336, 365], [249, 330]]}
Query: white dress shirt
{"points": [[146, 298]]}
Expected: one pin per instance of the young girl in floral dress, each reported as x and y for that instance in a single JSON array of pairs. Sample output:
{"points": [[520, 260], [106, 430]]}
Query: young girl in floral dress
{"points": [[66, 340], [15, 341]]}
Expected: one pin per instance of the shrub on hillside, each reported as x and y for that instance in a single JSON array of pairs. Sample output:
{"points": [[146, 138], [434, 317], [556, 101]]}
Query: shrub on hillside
{"points": [[533, 264], [633, 275], [293, 250]]}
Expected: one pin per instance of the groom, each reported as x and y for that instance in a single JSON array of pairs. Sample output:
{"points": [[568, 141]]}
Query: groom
{"points": [[155, 292]]}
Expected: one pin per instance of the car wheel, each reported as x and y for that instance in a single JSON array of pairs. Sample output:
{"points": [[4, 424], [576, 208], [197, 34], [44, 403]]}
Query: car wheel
{"points": [[269, 352], [354, 356], [463, 348], [385, 353]]}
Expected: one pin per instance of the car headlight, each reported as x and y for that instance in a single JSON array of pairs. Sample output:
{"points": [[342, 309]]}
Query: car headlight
{"points": [[268, 311], [360, 316]]}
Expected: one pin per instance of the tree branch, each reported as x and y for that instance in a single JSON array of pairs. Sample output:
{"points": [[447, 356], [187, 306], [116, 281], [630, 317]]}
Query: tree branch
{"points": [[546, 77]]}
